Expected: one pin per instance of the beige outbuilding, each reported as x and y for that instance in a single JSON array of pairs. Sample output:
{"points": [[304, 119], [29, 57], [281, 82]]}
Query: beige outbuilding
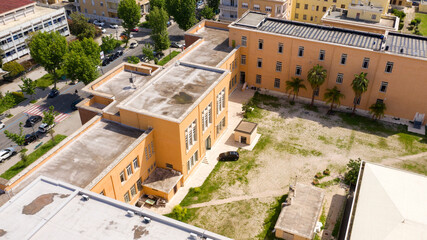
{"points": [[245, 132]]}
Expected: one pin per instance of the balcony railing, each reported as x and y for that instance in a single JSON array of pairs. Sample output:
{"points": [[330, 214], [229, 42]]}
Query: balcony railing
{"points": [[228, 7]]}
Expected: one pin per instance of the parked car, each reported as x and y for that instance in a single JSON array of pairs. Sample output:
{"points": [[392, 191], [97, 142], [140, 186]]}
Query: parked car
{"points": [[114, 26], [29, 138], [229, 156], [43, 128], [145, 59], [177, 44], [134, 45], [169, 23], [2, 125], [118, 54], [74, 104], [7, 153], [53, 93], [32, 120], [105, 62], [98, 23], [136, 29], [158, 55], [111, 58]]}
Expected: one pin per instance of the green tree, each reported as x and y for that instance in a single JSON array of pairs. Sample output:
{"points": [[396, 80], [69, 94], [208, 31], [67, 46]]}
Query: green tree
{"points": [[332, 96], [158, 18], [293, 86], [80, 67], [161, 40], [353, 167], [49, 119], [18, 138], [179, 213], [48, 49], [130, 13], [213, 4], [316, 77], [80, 27], [28, 86], [359, 85], [109, 43], [157, 4], [13, 68], [377, 110], [133, 59], [148, 51], [170, 6], [207, 13], [184, 13], [89, 47]]}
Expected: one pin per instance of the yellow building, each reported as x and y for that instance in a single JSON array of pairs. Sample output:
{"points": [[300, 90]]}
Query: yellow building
{"points": [[146, 127], [230, 10], [275, 50], [105, 10]]}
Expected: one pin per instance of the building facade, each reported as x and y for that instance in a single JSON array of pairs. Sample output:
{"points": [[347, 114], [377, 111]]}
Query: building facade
{"points": [[105, 10], [21, 20], [275, 50], [230, 10]]}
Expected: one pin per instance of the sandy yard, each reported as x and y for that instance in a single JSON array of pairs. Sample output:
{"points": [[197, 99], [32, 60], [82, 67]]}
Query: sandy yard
{"points": [[239, 199]]}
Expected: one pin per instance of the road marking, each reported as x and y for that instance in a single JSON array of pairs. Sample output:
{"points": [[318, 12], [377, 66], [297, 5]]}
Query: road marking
{"points": [[73, 86], [12, 123], [38, 110]]}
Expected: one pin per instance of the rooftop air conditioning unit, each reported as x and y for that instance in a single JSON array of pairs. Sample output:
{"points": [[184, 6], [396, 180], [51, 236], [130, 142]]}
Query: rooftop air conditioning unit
{"points": [[147, 220], [130, 213], [85, 197], [193, 236]]}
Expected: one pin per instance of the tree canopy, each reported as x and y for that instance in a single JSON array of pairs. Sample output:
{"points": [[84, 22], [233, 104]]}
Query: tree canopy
{"points": [[353, 167], [80, 27], [294, 86], [316, 77], [48, 49], [28, 86], [183, 11], [158, 19], [49, 119], [14, 68], [18, 138], [207, 13], [158, 4], [359, 86], [332, 96], [377, 110], [130, 13], [109, 43], [213, 4]]}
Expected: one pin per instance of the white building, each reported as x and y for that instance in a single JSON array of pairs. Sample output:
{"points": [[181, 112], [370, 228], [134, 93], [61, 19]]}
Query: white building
{"points": [[18, 18]]}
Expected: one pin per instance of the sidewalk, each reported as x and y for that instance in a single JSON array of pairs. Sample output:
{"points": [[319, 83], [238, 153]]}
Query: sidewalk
{"points": [[225, 143]]}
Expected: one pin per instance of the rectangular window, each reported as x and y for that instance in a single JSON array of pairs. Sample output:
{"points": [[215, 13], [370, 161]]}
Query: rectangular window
{"points": [[258, 79], [305, 6], [126, 197], [311, 18], [244, 5], [168, 165], [296, 15], [220, 126], [342, 5], [149, 150], [129, 170], [244, 39], [298, 70], [322, 55], [340, 78], [122, 176], [256, 7], [304, 17], [312, 7], [268, 9], [280, 48], [152, 147], [300, 51], [102, 4], [207, 116], [297, 5], [146, 153], [334, 1], [139, 184], [374, 17], [133, 191], [192, 161], [260, 44], [259, 63], [191, 135], [102, 192], [343, 59], [317, 8], [277, 83], [365, 63], [383, 87], [243, 59], [278, 66], [220, 101], [324, 9], [135, 163], [389, 67]]}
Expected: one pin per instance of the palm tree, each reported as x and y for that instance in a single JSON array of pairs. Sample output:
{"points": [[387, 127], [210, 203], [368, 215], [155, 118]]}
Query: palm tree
{"points": [[332, 96], [316, 77], [359, 85], [377, 110], [294, 86]]}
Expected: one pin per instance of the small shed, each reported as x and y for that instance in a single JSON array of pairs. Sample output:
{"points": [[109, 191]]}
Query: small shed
{"points": [[245, 132]]}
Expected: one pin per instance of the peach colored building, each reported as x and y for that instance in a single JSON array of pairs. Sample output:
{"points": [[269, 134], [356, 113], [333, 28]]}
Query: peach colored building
{"points": [[274, 50], [230, 10]]}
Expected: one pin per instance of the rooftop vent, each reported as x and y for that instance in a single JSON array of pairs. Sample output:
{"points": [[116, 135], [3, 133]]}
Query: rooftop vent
{"points": [[130, 213], [147, 220], [193, 236], [85, 197]]}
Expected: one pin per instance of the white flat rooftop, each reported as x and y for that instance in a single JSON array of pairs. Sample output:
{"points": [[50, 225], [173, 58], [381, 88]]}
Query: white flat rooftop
{"points": [[39, 12], [390, 204], [47, 209]]}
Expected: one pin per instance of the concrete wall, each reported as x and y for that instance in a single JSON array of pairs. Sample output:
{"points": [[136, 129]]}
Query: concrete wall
{"points": [[364, 15], [406, 84], [283, 6], [423, 7]]}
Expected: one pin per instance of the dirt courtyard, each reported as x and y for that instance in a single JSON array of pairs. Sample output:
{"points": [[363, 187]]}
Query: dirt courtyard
{"points": [[239, 199]]}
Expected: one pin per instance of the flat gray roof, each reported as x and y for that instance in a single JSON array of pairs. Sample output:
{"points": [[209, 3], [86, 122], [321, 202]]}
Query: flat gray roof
{"points": [[49, 209], [212, 50], [163, 179], [175, 91], [86, 156], [340, 15], [300, 217], [119, 85], [415, 46], [252, 19]]}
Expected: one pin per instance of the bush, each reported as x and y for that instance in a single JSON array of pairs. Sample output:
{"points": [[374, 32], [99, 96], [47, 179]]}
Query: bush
{"points": [[18, 94], [13, 68], [197, 190], [109, 44], [327, 172], [179, 213], [401, 24], [352, 174], [145, 24], [418, 20], [133, 59], [207, 13], [315, 181], [413, 22], [399, 14], [318, 175]]}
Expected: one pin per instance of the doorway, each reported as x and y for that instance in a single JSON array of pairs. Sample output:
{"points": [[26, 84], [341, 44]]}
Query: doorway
{"points": [[208, 143], [243, 140], [242, 77]]}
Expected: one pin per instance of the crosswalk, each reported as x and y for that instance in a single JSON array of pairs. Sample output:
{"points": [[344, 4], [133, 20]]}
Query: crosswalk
{"points": [[38, 110]]}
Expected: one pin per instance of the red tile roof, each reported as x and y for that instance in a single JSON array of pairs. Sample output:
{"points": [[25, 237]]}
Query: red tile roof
{"points": [[8, 5]]}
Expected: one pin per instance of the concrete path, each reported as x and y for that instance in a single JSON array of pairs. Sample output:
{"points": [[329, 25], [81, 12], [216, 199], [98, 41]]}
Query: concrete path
{"points": [[275, 193]]}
